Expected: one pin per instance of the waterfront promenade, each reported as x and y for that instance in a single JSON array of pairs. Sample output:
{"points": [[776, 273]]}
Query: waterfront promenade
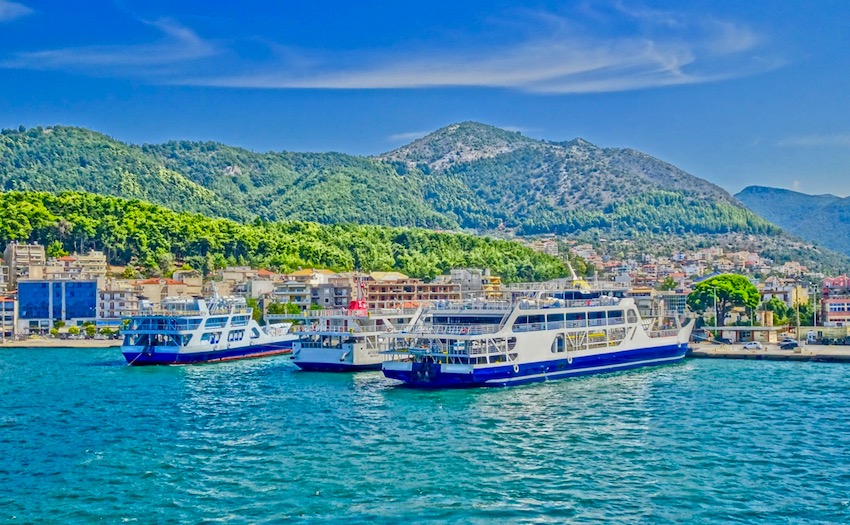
{"points": [[772, 352], [47, 342]]}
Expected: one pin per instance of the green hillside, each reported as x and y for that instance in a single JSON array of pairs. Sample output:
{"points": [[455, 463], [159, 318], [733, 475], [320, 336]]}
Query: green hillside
{"points": [[467, 175], [60, 158], [132, 231]]}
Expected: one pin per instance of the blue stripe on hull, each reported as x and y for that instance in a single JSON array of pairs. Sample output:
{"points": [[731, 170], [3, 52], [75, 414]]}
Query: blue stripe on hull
{"points": [[541, 371], [174, 358], [334, 367]]}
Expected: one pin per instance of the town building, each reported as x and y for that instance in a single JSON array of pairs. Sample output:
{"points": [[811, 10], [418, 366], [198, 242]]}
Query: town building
{"points": [[4, 278], [396, 290], [19, 258], [117, 300], [8, 316], [42, 302]]}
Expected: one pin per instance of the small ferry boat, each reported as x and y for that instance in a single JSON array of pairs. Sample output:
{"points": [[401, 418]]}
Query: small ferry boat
{"points": [[551, 335], [345, 340], [187, 331]]}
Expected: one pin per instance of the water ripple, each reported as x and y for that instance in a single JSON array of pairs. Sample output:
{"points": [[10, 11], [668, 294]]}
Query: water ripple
{"points": [[84, 440]]}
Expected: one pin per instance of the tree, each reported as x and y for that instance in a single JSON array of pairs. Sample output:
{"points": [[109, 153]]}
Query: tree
{"points": [[781, 311], [667, 285], [728, 290], [56, 250], [256, 311], [74, 330], [91, 330]]}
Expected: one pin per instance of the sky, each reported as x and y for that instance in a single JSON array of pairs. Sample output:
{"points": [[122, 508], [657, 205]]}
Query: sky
{"points": [[737, 93]]}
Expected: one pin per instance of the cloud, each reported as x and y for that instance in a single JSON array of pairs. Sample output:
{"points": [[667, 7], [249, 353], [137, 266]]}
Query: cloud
{"points": [[795, 185], [554, 56], [407, 136], [838, 139], [12, 10], [177, 44]]}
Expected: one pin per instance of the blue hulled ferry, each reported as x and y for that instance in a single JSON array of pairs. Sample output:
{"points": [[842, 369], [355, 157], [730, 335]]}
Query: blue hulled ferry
{"points": [[548, 335], [188, 331]]}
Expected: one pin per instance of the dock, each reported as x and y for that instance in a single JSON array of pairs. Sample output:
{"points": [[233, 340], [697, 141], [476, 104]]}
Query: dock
{"points": [[817, 353]]}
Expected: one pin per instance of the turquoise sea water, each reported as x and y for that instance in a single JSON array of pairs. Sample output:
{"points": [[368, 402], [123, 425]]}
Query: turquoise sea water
{"points": [[84, 439]]}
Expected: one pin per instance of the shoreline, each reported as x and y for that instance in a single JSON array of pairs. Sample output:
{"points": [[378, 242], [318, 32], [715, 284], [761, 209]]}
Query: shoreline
{"points": [[809, 352], [61, 343]]}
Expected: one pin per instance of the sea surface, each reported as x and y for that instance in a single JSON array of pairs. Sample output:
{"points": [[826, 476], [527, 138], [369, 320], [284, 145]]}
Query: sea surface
{"points": [[84, 439]]}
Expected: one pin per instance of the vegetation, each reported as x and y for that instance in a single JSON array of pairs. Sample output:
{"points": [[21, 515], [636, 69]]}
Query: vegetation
{"points": [[723, 292], [153, 237], [464, 176], [803, 215]]}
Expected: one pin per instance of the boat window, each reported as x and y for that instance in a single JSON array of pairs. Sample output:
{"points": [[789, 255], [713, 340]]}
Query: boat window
{"points": [[511, 343], [632, 316], [187, 324], [615, 317], [558, 344], [216, 322], [575, 319], [236, 335], [240, 320], [255, 333], [555, 321], [211, 338]]}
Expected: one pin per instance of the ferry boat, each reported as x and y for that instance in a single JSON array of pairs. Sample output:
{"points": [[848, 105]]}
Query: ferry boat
{"points": [[188, 331], [551, 335], [347, 340]]}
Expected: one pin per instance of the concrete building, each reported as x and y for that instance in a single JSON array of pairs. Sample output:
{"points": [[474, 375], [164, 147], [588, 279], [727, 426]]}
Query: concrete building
{"points": [[117, 300], [20, 258], [8, 316], [156, 290], [4, 278], [395, 290], [42, 302]]}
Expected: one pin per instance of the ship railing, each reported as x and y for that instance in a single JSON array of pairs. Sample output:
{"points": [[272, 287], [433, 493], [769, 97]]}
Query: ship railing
{"points": [[531, 304], [343, 312], [187, 312], [663, 333], [455, 329], [471, 307], [529, 327]]}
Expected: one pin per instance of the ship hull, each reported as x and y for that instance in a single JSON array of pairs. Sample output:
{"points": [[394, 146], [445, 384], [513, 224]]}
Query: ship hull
{"points": [[138, 356], [433, 375], [335, 367]]}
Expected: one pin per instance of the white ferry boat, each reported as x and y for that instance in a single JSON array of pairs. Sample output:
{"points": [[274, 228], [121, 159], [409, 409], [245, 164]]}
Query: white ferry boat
{"points": [[343, 340], [552, 335], [187, 331]]}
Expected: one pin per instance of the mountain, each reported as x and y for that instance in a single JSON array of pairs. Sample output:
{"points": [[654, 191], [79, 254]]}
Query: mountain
{"points": [[824, 219], [489, 178], [466, 175]]}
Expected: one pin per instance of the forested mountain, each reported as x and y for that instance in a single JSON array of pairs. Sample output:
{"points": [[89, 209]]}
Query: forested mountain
{"points": [[152, 237], [465, 175], [824, 219]]}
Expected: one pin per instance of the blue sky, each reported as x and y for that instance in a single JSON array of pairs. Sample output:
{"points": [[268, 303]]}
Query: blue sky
{"points": [[737, 93]]}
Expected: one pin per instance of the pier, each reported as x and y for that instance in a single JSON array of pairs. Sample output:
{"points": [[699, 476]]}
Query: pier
{"points": [[818, 353]]}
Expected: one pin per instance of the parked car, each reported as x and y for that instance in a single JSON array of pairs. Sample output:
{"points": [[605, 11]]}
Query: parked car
{"points": [[722, 341], [753, 345], [788, 344]]}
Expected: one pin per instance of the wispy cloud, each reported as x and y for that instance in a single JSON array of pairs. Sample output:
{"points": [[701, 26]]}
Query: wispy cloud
{"points": [[616, 49], [555, 57], [407, 136], [12, 10], [838, 139], [176, 44]]}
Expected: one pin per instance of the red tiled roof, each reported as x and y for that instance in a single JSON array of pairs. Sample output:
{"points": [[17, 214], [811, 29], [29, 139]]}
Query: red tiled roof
{"points": [[157, 280]]}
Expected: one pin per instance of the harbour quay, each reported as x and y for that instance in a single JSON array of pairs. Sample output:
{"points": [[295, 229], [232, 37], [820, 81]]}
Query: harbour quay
{"points": [[809, 352]]}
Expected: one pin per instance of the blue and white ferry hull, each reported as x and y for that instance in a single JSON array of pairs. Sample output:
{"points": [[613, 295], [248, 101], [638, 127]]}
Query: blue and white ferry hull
{"points": [[139, 356], [442, 375]]}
